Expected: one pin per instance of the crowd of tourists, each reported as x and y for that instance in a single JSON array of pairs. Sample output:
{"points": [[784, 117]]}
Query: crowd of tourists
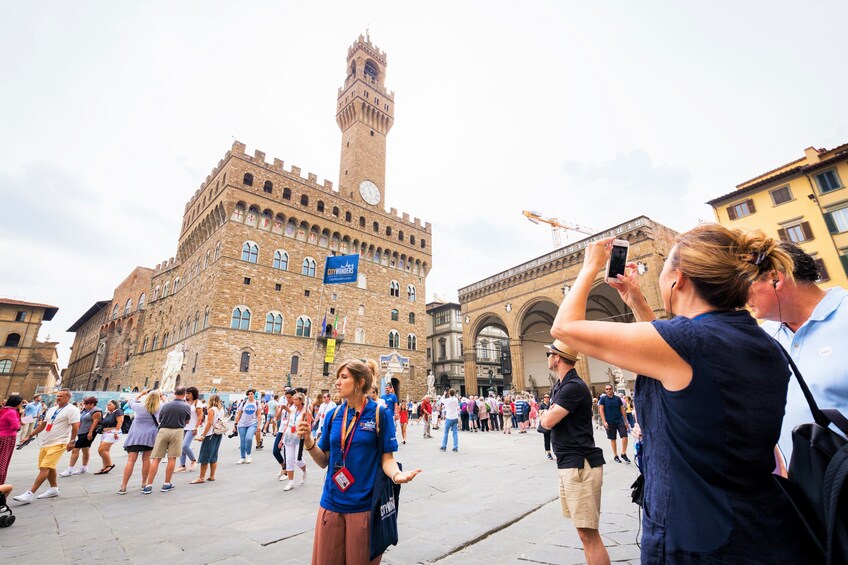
{"points": [[692, 414]]}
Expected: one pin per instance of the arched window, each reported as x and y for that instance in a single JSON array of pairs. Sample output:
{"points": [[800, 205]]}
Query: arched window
{"points": [[248, 179], [128, 307], [484, 349], [240, 319], [304, 327], [308, 267], [156, 292], [412, 317], [166, 288], [286, 194], [196, 322], [410, 293], [206, 259], [304, 200], [217, 250], [177, 282], [281, 260], [106, 384], [295, 364], [361, 309], [394, 288], [371, 70], [336, 211], [244, 365], [180, 333], [394, 315], [5, 366], [274, 323], [362, 221], [423, 243], [376, 227], [155, 343], [320, 206], [141, 301], [144, 345], [411, 342], [347, 216], [206, 318], [165, 339], [250, 252], [268, 186], [388, 230], [394, 339], [400, 236], [115, 309], [360, 335]]}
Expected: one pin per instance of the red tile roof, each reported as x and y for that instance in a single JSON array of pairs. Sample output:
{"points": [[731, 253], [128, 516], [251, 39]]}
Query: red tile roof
{"points": [[49, 311]]}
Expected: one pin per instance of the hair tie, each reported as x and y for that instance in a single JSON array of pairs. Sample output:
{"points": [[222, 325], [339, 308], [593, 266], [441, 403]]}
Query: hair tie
{"points": [[757, 258]]}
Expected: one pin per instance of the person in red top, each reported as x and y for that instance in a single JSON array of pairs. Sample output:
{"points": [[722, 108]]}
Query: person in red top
{"points": [[426, 411], [10, 423]]}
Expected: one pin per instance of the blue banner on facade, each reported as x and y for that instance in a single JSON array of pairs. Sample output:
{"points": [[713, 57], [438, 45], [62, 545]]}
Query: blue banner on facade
{"points": [[341, 269]]}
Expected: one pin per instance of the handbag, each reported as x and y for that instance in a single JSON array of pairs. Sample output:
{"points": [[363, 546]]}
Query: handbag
{"points": [[385, 498], [818, 476]]}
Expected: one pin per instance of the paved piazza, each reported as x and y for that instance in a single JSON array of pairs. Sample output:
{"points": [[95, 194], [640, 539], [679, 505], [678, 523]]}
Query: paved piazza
{"points": [[493, 502]]}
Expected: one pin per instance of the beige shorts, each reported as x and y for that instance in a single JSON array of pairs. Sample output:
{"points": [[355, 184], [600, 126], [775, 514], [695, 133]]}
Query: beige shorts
{"points": [[48, 457], [580, 495], [168, 441]]}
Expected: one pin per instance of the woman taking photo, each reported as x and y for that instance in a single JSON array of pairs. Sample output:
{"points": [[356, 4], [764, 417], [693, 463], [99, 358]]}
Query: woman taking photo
{"points": [[711, 392], [111, 433], [355, 451], [190, 429], [142, 434], [10, 423], [89, 420], [291, 440], [211, 439]]}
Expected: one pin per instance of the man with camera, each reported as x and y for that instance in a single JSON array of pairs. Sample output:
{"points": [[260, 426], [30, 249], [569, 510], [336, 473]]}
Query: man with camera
{"points": [[579, 461]]}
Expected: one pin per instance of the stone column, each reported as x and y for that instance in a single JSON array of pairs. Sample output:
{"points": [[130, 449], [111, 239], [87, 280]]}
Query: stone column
{"points": [[516, 351], [468, 355]]}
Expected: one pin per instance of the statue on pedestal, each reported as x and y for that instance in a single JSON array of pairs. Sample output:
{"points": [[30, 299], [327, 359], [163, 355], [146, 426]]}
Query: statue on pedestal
{"points": [[173, 366]]}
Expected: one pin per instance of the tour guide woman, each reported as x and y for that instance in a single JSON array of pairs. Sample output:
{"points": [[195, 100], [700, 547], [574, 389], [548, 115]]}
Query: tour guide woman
{"points": [[349, 445], [711, 392]]}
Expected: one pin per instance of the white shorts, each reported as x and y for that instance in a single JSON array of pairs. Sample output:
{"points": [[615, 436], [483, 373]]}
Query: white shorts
{"points": [[110, 437]]}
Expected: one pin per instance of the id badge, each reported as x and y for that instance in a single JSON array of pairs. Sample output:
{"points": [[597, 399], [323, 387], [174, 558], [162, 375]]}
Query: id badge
{"points": [[343, 479], [49, 426]]}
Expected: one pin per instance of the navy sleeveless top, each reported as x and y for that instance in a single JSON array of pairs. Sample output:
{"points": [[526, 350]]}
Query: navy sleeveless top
{"points": [[708, 449]]}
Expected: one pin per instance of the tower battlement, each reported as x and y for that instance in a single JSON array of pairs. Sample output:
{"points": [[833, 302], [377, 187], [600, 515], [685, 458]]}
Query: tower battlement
{"points": [[364, 42]]}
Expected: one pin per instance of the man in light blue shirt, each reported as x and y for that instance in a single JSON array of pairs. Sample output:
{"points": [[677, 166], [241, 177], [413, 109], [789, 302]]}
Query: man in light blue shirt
{"points": [[812, 325]]}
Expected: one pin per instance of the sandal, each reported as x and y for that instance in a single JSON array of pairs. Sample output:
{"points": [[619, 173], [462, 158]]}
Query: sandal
{"points": [[105, 470], [211, 479], [197, 481], [122, 491]]}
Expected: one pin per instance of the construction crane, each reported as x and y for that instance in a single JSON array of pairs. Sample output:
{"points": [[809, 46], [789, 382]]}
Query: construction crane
{"points": [[556, 226]]}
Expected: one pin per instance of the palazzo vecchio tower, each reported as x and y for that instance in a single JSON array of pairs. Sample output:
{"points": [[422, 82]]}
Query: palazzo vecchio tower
{"points": [[241, 304]]}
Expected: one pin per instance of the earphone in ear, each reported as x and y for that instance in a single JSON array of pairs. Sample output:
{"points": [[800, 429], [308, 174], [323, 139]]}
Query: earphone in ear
{"points": [[774, 284]]}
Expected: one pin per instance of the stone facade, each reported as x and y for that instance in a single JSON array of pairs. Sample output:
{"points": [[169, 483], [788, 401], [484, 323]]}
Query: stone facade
{"points": [[243, 301], [523, 301], [26, 364]]}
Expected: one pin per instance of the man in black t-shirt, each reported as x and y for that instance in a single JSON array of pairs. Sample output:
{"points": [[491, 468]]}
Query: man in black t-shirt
{"points": [[613, 417], [579, 462]]}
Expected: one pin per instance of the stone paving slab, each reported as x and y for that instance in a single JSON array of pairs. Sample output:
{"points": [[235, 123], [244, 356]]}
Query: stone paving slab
{"points": [[493, 502]]}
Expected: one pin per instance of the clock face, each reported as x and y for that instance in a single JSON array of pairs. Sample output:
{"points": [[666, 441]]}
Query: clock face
{"points": [[369, 192]]}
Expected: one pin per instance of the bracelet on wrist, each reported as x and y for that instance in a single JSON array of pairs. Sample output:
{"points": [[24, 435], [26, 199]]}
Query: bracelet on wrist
{"points": [[395, 475]]}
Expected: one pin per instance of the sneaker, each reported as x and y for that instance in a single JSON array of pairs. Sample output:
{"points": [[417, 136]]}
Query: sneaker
{"points": [[283, 477], [551, 457], [248, 459], [616, 459], [81, 471], [455, 450], [67, 472], [303, 479], [167, 487], [147, 490], [625, 458], [240, 461], [25, 498], [443, 449], [289, 486], [49, 493]]}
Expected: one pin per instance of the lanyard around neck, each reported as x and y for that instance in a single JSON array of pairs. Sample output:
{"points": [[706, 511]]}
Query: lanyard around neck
{"points": [[347, 434]]}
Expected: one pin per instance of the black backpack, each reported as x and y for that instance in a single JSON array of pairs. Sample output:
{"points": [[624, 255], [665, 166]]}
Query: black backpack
{"points": [[818, 478]]}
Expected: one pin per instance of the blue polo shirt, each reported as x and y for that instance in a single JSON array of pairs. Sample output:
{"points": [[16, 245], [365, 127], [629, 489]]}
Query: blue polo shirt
{"points": [[818, 348], [363, 460]]}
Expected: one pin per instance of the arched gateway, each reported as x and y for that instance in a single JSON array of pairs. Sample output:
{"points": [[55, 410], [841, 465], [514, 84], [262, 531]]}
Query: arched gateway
{"points": [[521, 303]]}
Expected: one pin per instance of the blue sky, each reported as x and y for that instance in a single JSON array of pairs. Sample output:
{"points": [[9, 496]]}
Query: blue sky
{"points": [[112, 114]]}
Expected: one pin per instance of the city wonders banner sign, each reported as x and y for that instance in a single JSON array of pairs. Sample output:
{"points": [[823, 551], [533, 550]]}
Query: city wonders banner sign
{"points": [[341, 269]]}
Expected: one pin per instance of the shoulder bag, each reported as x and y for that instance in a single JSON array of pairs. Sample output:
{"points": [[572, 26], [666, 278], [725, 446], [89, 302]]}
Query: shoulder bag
{"points": [[818, 475], [385, 499]]}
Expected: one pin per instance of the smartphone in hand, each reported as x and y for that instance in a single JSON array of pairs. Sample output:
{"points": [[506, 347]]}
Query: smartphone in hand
{"points": [[617, 259]]}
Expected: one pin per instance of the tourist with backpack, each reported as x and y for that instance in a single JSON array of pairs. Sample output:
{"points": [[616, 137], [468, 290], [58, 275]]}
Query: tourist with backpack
{"points": [[210, 438]]}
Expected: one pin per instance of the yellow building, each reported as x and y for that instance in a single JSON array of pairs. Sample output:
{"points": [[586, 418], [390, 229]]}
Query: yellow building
{"points": [[804, 201]]}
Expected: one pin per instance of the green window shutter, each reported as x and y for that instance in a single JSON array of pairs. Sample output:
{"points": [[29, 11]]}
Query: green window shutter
{"points": [[831, 225], [844, 260]]}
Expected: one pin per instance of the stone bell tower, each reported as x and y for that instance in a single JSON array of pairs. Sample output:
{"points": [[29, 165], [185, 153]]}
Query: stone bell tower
{"points": [[365, 114]]}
